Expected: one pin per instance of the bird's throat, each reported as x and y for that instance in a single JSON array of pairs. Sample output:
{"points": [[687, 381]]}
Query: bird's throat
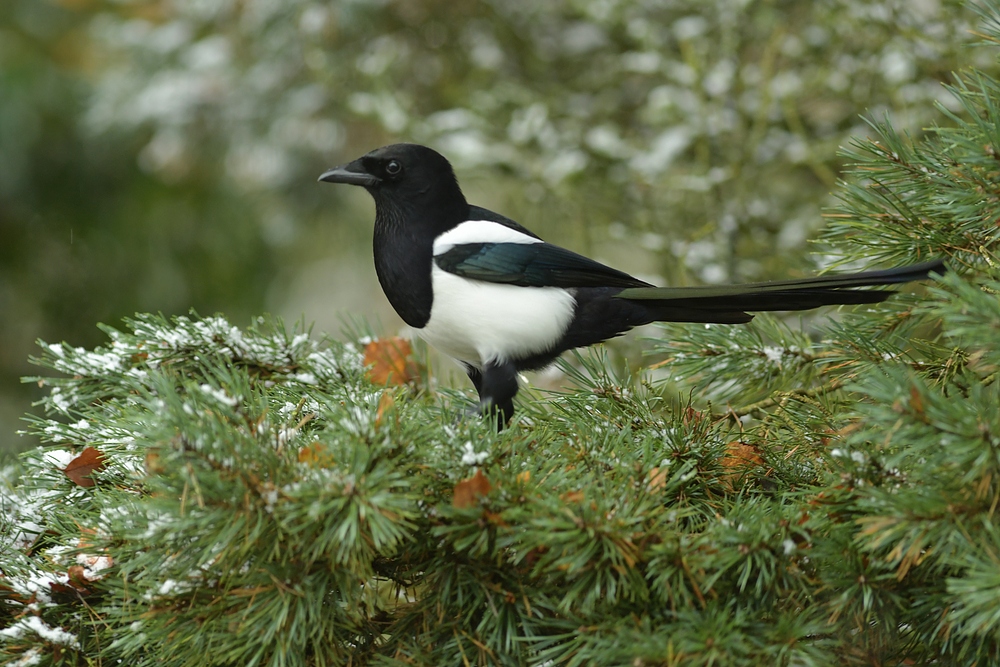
{"points": [[404, 247], [403, 265]]}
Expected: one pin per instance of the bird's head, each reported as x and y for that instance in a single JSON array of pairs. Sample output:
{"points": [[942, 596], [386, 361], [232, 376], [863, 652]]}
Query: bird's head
{"points": [[403, 177]]}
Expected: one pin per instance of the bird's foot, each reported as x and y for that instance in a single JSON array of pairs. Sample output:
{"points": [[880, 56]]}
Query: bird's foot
{"points": [[488, 411]]}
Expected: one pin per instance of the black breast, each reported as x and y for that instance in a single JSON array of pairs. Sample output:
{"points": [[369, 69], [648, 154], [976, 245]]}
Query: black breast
{"points": [[403, 264]]}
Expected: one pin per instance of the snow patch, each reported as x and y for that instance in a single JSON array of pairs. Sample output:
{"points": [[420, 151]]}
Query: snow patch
{"points": [[42, 629], [220, 395], [471, 457]]}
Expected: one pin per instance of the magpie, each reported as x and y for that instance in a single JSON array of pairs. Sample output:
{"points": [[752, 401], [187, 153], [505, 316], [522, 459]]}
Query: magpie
{"points": [[498, 299]]}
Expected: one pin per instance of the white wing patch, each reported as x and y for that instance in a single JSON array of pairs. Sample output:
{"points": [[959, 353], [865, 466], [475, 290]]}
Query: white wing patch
{"points": [[479, 322], [479, 231]]}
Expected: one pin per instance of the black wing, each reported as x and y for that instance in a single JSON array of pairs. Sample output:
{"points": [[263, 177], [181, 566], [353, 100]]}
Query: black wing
{"points": [[531, 265]]}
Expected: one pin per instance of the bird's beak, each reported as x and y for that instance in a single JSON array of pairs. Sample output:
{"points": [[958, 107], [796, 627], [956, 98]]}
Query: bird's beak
{"points": [[352, 173]]}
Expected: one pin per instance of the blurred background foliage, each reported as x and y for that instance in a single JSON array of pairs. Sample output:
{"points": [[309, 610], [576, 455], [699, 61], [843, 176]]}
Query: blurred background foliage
{"points": [[162, 155]]}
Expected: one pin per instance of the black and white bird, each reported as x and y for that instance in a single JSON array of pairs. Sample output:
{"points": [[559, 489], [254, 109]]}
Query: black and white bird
{"points": [[494, 296]]}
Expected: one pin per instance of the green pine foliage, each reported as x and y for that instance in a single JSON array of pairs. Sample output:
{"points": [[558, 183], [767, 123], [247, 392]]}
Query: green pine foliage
{"points": [[827, 495]]}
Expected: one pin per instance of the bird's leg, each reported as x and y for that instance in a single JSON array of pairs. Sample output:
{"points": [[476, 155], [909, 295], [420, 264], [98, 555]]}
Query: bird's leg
{"points": [[497, 386], [476, 376]]}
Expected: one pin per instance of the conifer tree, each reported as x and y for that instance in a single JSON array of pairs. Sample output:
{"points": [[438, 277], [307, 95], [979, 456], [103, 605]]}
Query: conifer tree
{"points": [[210, 495]]}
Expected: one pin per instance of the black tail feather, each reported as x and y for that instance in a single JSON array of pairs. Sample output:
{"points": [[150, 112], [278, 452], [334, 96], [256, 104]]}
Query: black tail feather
{"points": [[730, 304]]}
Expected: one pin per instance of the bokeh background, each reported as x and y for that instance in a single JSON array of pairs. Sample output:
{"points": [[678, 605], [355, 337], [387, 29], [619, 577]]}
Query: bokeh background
{"points": [[162, 155]]}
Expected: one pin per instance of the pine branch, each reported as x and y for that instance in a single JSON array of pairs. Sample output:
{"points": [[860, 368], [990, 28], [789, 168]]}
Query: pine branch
{"points": [[780, 400], [207, 495]]}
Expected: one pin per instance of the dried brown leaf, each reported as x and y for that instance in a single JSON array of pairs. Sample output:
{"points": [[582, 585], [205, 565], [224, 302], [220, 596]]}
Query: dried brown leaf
{"points": [[390, 361], [77, 578], [656, 479], [385, 406], [740, 457], [80, 468], [468, 491], [316, 455]]}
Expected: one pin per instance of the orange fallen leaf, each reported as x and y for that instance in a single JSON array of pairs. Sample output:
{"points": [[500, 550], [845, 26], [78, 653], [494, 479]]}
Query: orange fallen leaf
{"points": [[495, 519], [916, 402], [740, 455], [97, 563], [468, 491], [77, 579], [390, 361], [87, 536], [656, 478], [850, 428], [152, 462], [572, 496], [316, 455], [80, 468], [61, 589], [385, 405], [524, 477]]}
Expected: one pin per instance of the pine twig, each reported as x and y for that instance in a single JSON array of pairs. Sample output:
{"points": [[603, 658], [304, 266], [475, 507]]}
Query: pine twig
{"points": [[780, 398]]}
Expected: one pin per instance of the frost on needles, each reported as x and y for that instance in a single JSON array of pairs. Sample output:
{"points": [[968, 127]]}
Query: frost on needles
{"points": [[827, 496]]}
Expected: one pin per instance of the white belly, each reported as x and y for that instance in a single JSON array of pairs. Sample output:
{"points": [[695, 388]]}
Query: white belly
{"points": [[479, 322]]}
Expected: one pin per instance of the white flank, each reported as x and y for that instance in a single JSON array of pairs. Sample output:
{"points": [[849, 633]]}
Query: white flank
{"points": [[479, 231], [479, 322]]}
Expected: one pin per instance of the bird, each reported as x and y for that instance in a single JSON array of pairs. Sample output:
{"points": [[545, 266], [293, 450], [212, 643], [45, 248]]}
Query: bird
{"points": [[494, 296]]}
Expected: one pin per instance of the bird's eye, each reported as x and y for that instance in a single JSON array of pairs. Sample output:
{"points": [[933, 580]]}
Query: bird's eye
{"points": [[393, 167]]}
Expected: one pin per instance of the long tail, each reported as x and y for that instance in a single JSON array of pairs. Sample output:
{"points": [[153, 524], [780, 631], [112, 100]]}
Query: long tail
{"points": [[731, 304]]}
